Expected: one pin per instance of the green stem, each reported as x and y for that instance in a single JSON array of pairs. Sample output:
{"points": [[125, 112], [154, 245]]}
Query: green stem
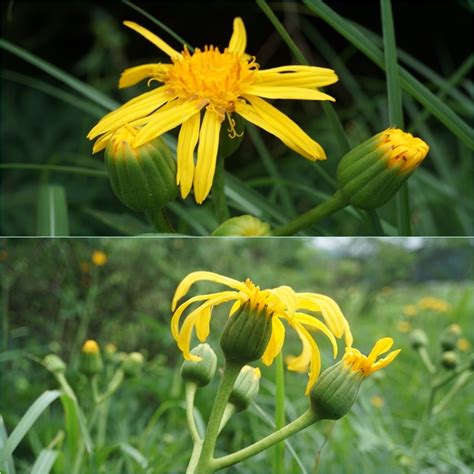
{"points": [[463, 380], [333, 204], [102, 423], [306, 419], [425, 357], [160, 221], [190, 394], [375, 221], [424, 423], [228, 413], [218, 192], [403, 206], [206, 458], [279, 449]]}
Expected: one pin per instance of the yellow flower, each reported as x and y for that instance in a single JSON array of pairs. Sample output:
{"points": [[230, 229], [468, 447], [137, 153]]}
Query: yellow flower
{"points": [[367, 365], [463, 344], [278, 304], [377, 401], [90, 347], [410, 310], [434, 304], [99, 258], [404, 326], [220, 83]]}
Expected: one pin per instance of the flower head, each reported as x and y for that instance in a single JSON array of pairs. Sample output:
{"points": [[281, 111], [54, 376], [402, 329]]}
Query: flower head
{"points": [[275, 305], [219, 83], [99, 258]]}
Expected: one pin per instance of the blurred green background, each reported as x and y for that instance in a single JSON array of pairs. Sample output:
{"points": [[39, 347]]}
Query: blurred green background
{"points": [[43, 122], [55, 296]]}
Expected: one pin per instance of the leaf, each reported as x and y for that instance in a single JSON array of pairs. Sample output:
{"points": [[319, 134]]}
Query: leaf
{"points": [[52, 213], [28, 420], [8, 466], [136, 455], [44, 462], [123, 223]]}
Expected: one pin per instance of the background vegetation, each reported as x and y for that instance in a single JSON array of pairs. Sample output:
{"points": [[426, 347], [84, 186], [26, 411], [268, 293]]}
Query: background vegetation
{"points": [[46, 113], [54, 297]]}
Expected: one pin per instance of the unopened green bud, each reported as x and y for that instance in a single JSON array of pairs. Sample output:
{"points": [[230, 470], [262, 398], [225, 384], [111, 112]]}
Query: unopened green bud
{"points": [[246, 388], [418, 338], [142, 178], [450, 337], [200, 372], [54, 364], [247, 332], [90, 361], [449, 360], [133, 363], [246, 226], [370, 174]]}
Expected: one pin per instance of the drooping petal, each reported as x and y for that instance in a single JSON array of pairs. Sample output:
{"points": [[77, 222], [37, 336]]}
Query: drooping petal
{"points": [[187, 139], [194, 277], [265, 116], [206, 155], [133, 75], [139, 107], [158, 42], [381, 346], [276, 341], [311, 321], [380, 364], [203, 321], [286, 92], [238, 41], [163, 121], [309, 79]]}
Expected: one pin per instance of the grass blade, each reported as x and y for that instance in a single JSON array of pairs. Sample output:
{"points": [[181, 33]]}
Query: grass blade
{"points": [[44, 462], [136, 455], [8, 465], [414, 87], [28, 420], [84, 89], [52, 213]]}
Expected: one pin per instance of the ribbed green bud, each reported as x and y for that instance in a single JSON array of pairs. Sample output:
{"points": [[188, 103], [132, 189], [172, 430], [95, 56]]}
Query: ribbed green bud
{"points": [[371, 173], [246, 388], [418, 338], [90, 361], [450, 337], [335, 391], [246, 334], [142, 178], [247, 226], [200, 372], [133, 363], [231, 136], [449, 360], [54, 364]]}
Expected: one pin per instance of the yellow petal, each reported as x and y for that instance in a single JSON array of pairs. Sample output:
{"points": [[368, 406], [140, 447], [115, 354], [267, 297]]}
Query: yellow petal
{"points": [[102, 142], [163, 121], [275, 343], [133, 75], [194, 277], [158, 42], [380, 347], [235, 307], [380, 364], [309, 79], [203, 320], [238, 41], [139, 107], [315, 323], [285, 92], [265, 116], [207, 155], [187, 139]]}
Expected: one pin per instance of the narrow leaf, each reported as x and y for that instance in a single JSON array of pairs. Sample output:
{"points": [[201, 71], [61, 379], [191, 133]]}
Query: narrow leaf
{"points": [[52, 213], [44, 462]]}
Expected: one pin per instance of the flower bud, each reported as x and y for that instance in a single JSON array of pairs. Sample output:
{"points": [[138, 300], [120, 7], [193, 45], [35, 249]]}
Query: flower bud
{"points": [[132, 364], [110, 352], [418, 338], [450, 337], [246, 333], [142, 178], [449, 360], [370, 174], [54, 364], [247, 226], [200, 372], [246, 388], [90, 361]]}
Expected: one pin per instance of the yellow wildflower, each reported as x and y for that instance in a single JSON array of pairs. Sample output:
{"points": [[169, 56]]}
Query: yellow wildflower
{"points": [[220, 83], [99, 258], [90, 347], [377, 401], [434, 304], [463, 344], [276, 304], [410, 310], [404, 326]]}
